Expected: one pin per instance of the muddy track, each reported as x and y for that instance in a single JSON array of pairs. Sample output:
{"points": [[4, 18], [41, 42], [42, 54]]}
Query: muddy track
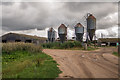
{"points": [[86, 64]]}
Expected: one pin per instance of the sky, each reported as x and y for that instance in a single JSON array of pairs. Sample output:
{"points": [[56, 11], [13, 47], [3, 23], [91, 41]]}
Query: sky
{"points": [[23, 17]]}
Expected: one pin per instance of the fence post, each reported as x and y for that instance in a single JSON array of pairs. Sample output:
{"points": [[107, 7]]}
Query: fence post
{"points": [[119, 49], [85, 46]]}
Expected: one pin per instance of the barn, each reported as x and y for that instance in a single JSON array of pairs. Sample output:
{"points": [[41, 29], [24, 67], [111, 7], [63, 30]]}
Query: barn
{"points": [[109, 41], [15, 37]]}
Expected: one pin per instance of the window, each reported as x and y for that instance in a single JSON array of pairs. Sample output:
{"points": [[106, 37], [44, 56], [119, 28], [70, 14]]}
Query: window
{"points": [[17, 40], [4, 41], [28, 41]]}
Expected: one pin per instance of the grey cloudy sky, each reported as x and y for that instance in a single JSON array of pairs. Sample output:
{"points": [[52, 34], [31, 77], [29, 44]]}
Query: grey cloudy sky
{"points": [[41, 15]]}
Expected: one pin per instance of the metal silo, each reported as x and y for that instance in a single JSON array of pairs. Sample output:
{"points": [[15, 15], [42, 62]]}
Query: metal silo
{"points": [[62, 32], [51, 35], [79, 31], [91, 26]]}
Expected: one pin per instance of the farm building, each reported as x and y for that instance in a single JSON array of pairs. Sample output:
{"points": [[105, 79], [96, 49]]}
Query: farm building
{"points": [[15, 37], [109, 41]]}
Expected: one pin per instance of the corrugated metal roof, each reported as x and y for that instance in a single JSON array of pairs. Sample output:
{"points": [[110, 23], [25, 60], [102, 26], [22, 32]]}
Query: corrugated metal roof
{"points": [[29, 36], [109, 39]]}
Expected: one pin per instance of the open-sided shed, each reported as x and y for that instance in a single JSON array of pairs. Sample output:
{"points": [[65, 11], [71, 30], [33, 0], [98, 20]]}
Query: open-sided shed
{"points": [[15, 37], [109, 41]]}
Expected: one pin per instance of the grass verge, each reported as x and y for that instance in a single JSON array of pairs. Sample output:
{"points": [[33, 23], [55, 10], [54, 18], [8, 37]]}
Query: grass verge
{"points": [[27, 65], [116, 54], [22, 63]]}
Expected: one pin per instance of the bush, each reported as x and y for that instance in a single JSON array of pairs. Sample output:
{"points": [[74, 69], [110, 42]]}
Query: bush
{"points": [[20, 46], [65, 45]]}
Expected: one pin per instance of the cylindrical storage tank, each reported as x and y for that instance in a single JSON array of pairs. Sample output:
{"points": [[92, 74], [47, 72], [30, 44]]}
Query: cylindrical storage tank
{"points": [[51, 35], [62, 32], [91, 26], [79, 31]]}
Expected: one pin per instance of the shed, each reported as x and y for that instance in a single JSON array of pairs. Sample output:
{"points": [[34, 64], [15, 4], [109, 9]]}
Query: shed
{"points": [[109, 41], [15, 37]]}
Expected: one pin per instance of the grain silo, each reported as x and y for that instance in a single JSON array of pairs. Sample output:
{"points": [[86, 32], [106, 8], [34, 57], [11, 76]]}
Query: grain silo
{"points": [[91, 26], [79, 31], [62, 32], [51, 35]]}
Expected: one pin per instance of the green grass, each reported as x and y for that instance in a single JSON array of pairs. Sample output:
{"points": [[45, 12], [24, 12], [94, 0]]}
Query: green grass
{"points": [[0, 66], [89, 48], [19, 60], [116, 54], [26, 65]]}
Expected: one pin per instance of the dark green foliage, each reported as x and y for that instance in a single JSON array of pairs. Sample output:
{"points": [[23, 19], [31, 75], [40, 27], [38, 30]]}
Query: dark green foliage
{"points": [[65, 45]]}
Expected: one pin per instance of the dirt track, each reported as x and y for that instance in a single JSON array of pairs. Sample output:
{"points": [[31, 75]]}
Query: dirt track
{"points": [[86, 64]]}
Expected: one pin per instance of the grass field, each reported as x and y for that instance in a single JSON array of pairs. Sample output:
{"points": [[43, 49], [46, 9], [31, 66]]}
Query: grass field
{"points": [[116, 54], [22, 63]]}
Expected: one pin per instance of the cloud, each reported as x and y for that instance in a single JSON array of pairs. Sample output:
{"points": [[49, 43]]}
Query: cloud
{"points": [[110, 20], [42, 15], [109, 32], [100, 10]]}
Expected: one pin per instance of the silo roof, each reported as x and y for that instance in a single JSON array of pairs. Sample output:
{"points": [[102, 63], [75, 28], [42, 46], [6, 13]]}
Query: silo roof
{"points": [[91, 16], [51, 29], [79, 25], [62, 25]]}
